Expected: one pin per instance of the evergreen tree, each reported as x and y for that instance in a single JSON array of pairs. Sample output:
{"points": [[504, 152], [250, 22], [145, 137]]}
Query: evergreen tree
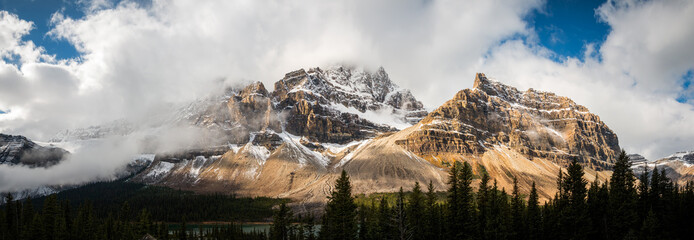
{"points": [[462, 223], [49, 214], [483, 204], [574, 217], [385, 225], [597, 210], [453, 219], [431, 222], [401, 219], [27, 219], [281, 222], [643, 201], [415, 212], [517, 212], [365, 226], [11, 224], [533, 215], [650, 229], [622, 198], [340, 212]]}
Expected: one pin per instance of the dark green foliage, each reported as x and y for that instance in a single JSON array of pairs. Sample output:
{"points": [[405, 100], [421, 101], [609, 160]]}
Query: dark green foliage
{"points": [[402, 228], [340, 219], [518, 227], [622, 199], [415, 213], [281, 222], [533, 217], [166, 204]]}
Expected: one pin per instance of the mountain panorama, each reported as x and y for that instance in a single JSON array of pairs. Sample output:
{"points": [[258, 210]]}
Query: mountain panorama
{"points": [[294, 141]]}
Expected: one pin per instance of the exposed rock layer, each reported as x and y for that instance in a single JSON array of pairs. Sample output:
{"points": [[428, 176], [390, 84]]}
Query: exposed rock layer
{"points": [[536, 124]]}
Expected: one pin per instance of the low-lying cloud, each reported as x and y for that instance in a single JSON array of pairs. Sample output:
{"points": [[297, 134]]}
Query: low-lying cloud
{"points": [[136, 58]]}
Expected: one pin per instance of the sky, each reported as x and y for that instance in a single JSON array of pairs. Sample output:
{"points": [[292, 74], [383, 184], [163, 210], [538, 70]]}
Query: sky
{"points": [[74, 63]]}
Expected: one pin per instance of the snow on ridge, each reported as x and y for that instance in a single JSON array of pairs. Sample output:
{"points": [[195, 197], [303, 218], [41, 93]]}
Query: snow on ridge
{"points": [[351, 155], [260, 153], [295, 141], [160, 170], [384, 116]]}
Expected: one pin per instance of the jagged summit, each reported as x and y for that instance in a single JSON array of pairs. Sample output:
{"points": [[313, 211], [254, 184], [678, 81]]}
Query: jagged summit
{"points": [[350, 87], [537, 124]]}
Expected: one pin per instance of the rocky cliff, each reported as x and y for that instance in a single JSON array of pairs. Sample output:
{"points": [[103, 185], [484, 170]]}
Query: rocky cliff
{"points": [[679, 167], [534, 123], [292, 142], [18, 150]]}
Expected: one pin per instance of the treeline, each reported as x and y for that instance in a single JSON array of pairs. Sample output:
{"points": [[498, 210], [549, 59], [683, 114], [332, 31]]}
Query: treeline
{"points": [[652, 208], [166, 204], [623, 208], [121, 210]]}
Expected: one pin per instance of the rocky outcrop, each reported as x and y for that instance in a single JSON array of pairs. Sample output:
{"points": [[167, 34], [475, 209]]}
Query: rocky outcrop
{"points": [[253, 109], [679, 167], [21, 151], [326, 105], [534, 123]]}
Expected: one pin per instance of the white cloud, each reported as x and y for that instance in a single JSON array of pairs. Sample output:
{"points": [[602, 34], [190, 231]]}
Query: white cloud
{"points": [[136, 58], [634, 87]]}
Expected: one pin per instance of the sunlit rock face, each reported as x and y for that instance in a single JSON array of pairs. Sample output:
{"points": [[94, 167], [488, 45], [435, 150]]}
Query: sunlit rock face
{"points": [[534, 123]]}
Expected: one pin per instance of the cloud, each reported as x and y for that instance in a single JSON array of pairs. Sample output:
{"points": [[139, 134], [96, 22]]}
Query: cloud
{"points": [[632, 82], [136, 58]]}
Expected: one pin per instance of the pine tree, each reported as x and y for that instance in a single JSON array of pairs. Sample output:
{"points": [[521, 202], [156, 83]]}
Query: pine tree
{"points": [[574, 218], [483, 203], [402, 227], [365, 225], [49, 215], [453, 219], [533, 215], [431, 223], [517, 212], [281, 222], [622, 196], [27, 219], [11, 217], [415, 212], [643, 201], [462, 222], [650, 229], [385, 230], [597, 210], [340, 212]]}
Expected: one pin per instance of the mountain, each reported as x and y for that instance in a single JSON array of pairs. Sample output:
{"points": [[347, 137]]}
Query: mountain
{"points": [[293, 142], [679, 166], [508, 133], [18, 150], [119, 127], [290, 142]]}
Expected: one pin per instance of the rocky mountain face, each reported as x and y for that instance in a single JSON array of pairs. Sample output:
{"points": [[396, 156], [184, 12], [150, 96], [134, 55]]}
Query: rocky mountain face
{"points": [[293, 142], [679, 166], [18, 150], [533, 123]]}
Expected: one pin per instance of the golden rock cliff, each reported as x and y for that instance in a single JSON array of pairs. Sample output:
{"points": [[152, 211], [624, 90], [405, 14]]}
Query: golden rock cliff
{"points": [[533, 123]]}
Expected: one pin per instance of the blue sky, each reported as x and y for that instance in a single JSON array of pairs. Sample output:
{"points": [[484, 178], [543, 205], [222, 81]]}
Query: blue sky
{"points": [[564, 26], [39, 12]]}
